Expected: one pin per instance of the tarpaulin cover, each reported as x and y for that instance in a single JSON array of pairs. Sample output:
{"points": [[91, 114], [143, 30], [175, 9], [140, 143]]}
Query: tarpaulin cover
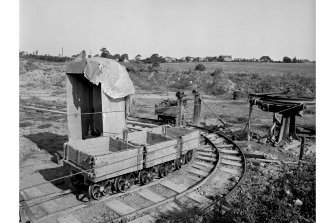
{"points": [[114, 78]]}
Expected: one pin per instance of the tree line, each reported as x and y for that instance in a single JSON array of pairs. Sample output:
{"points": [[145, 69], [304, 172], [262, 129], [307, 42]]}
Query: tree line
{"points": [[156, 58]]}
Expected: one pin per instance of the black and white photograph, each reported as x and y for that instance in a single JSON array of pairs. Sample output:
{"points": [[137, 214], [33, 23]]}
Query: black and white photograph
{"points": [[185, 111]]}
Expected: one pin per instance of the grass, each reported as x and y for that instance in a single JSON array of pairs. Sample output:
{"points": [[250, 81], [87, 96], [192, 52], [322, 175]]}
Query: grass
{"points": [[225, 78], [239, 67]]}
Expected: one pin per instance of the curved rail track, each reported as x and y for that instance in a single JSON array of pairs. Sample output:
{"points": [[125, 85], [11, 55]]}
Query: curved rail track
{"points": [[217, 167]]}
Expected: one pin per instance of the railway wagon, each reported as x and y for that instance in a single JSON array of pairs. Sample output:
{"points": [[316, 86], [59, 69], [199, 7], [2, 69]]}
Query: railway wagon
{"points": [[110, 164], [167, 114]]}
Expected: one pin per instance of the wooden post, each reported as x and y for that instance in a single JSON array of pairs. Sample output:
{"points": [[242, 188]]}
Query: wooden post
{"points": [[249, 122], [197, 107], [301, 149], [180, 119], [73, 107], [284, 127]]}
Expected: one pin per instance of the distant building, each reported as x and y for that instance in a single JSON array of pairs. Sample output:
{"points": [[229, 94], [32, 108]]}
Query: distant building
{"points": [[170, 59], [227, 58]]}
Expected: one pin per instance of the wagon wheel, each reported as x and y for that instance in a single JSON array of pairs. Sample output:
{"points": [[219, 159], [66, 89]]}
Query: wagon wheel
{"points": [[106, 188], [177, 163], [189, 156], [183, 159], [95, 191], [77, 180], [163, 170], [146, 176], [169, 166], [124, 183], [154, 172]]}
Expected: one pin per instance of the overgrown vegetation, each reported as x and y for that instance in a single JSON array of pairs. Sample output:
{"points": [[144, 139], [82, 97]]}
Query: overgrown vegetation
{"points": [[200, 67], [219, 81], [285, 196], [289, 196]]}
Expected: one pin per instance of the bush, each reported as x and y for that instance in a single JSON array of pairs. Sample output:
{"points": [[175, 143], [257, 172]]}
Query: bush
{"points": [[200, 67], [287, 60], [156, 65]]}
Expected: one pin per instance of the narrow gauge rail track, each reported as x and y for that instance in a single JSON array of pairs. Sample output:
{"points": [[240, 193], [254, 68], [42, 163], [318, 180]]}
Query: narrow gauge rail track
{"points": [[215, 162]]}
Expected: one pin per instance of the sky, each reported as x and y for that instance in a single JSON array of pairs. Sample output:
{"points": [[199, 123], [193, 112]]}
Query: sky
{"points": [[177, 28]]}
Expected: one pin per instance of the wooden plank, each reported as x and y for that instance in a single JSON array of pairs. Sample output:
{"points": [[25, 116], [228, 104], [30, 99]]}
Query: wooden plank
{"points": [[27, 209], [254, 155], [225, 146], [73, 107], [141, 124], [175, 187], [229, 162], [204, 146], [151, 196], [191, 140], [97, 107], [227, 151], [68, 219], [206, 154], [236, 158], [230, 170], [205, 150], [206, 164], [200, 167], [31, 193], [198, 172], [50, 207], [218, 141], [113, 118], [119, 207], [199, 198], [212, 136], [75, 67], [193, 177], [205, 158], [263, 160], [161, 152], [146, 218]]}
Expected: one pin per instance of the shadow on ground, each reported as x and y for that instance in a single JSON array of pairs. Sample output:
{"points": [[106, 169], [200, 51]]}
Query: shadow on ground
{"points": [[51, 174], [47, 141]]}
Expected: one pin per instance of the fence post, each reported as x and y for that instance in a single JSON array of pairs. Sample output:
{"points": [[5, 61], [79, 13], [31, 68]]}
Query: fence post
{"points": [[197, 107], [249, 122], [180, 119], [301, 149]]}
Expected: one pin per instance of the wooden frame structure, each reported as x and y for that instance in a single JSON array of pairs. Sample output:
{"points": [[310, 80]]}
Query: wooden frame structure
{"points": [[288, 106], [90, 112]]}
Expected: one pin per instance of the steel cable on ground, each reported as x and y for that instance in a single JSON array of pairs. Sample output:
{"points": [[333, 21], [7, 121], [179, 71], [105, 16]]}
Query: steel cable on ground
{"points": [[77, 114]]}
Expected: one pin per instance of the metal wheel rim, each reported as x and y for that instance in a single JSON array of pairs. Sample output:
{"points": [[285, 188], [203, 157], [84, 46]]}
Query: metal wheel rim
{"points": [[95, 191], [146, 177], [177, 164], [163, 172], [188, 156], [107, 188], [131, 180]]}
